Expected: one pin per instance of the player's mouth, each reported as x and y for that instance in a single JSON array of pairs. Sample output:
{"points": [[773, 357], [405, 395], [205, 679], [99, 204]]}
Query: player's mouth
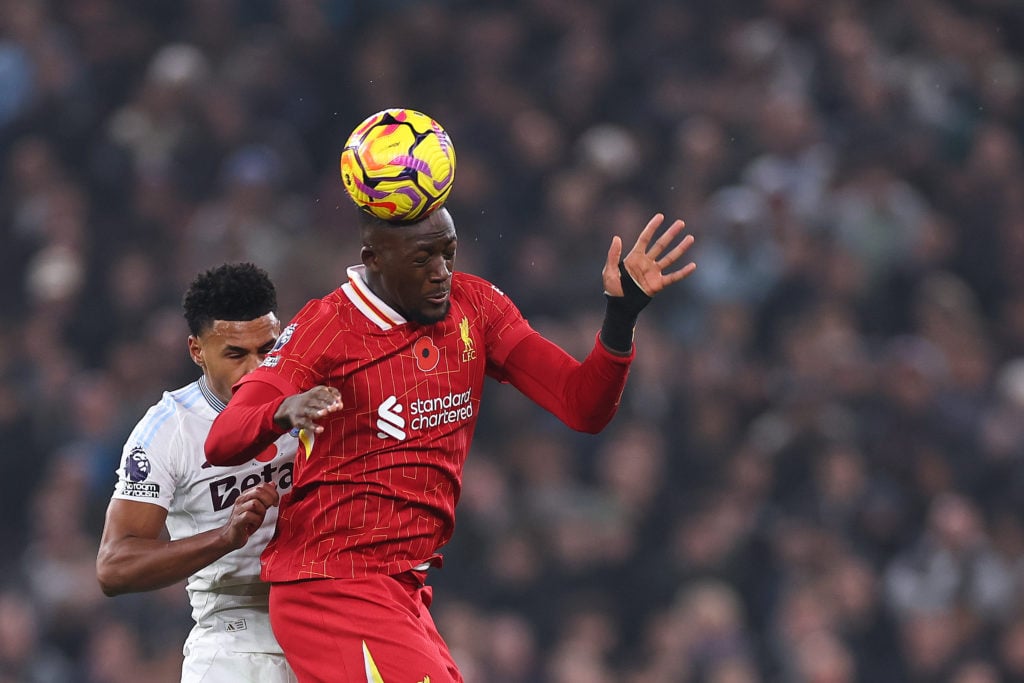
{"points": [[438, 298]]}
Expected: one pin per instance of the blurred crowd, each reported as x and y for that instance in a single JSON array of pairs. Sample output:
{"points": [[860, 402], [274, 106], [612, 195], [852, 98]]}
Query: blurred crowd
{"points": [[817, 474]]}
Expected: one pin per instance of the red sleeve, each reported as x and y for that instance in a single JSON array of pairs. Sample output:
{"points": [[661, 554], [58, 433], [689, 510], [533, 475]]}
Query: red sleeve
{"points": [[503, 324], [585, 396], [246, 426]]}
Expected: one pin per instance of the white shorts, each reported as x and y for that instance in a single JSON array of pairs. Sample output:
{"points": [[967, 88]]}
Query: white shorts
{"points": [[211, 663], [234, 646]]}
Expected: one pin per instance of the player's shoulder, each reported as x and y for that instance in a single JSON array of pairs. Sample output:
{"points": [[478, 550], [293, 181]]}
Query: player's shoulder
{"points": [[335, 308], [474, 285], [176, 400], [331, 312], [326, 306], [472, 292], [167, 414]]}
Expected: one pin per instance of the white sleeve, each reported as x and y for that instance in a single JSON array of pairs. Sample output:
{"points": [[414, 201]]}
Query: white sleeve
{"points": [[147, 472]]}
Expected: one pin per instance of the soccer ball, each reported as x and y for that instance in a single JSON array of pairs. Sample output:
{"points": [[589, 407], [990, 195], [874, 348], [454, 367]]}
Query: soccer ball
{"points": [[398, 165]]}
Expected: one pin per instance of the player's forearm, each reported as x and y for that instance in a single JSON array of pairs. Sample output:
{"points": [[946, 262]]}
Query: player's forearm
{"points": [[133, 564], [246, 427], [585, 396], [620, 315]]}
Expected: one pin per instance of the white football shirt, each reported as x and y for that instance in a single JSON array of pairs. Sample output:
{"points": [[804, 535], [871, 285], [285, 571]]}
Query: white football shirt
{"points": [[163, 463]]}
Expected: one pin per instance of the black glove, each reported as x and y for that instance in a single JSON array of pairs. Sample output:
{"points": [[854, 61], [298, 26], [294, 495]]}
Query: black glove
{"points": [[621, 312]]}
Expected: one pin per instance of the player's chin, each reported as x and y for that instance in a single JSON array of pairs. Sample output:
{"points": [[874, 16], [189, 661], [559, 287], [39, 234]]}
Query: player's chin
{"points": [[430, 313]]}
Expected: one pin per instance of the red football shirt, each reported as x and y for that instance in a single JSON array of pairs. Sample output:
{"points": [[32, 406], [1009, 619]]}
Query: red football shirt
{"points": [[376, 491]]}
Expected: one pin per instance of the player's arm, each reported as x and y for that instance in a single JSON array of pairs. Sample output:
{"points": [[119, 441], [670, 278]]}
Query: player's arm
{"points": [[133, 557], [259, 412], [586, 395]]}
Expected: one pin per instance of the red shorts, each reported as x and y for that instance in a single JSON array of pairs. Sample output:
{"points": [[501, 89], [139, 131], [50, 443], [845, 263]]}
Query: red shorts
{"points": [[376, 629]]}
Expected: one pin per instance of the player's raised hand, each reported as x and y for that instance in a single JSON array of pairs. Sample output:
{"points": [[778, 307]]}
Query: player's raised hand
{"points": [[302, 411], [647, 263], [248, 513]]}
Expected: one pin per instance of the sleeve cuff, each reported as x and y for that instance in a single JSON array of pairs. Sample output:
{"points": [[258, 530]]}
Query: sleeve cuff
{"points": [[604, 351]]}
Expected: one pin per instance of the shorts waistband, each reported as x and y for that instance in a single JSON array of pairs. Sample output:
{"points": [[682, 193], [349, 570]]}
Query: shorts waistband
{"points": [[248, 630]]}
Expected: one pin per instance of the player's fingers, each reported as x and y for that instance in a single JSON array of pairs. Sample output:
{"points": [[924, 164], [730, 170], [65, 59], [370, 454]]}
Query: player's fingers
{"points": [[610, 273], [676, 253], [325, 393], [611, 262], [311, 413], [677, 275], [255, 506], [253, 518], [270, 495], [311, 400], [264, 493], [666, 239], [325, 402], [648, 232]]}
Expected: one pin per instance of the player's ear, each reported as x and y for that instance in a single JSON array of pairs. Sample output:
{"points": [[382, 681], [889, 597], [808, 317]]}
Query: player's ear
{"points": [[195, 350], [369, 257]]}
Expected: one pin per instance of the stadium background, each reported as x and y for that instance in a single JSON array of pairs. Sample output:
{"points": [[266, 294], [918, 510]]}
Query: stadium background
{"points": [[818, 470]]}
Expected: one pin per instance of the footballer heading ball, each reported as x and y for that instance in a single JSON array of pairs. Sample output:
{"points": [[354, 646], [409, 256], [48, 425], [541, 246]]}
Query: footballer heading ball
{"points": [[398, 165]]}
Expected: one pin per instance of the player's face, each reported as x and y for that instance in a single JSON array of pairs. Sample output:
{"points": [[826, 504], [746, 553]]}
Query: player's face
{"points": [[228, 349], [410, 267]]}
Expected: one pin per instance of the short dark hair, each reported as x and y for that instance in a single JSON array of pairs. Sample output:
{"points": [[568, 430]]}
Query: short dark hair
{"points": [[232, 291], [368, 224], [368, 221]]}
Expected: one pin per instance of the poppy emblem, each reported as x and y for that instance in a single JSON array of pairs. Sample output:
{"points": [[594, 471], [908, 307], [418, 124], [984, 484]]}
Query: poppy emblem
{"points": [[427, 354], [268, 453]]}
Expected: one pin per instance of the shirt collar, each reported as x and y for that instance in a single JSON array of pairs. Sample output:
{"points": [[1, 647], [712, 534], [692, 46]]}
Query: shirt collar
{"points": [[368, 303], [211, 398]]}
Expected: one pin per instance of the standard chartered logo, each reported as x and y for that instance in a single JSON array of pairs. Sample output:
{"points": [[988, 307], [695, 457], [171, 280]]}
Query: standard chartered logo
{"points": [[389, 422], [424, 413]]}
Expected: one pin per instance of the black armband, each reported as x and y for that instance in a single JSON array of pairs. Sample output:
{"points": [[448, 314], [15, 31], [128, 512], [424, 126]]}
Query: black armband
{"points": [[621, 313]]}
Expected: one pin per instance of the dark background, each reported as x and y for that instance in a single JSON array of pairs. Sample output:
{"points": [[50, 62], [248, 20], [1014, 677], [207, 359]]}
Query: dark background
{"points": [[817, 472]]}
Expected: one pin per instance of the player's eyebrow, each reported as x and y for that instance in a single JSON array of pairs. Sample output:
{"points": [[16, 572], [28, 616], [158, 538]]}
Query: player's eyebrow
{"points": [[428, 242], [238, 349]]}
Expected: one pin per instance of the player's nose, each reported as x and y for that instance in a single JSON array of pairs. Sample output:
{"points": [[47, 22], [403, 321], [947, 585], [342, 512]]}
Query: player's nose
{"points": [[440, 272], [253, 361]]}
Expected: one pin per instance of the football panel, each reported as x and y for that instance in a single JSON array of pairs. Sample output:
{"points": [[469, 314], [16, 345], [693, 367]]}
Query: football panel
{"points": [[434, 162], [398, 165], [382, 146]]}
